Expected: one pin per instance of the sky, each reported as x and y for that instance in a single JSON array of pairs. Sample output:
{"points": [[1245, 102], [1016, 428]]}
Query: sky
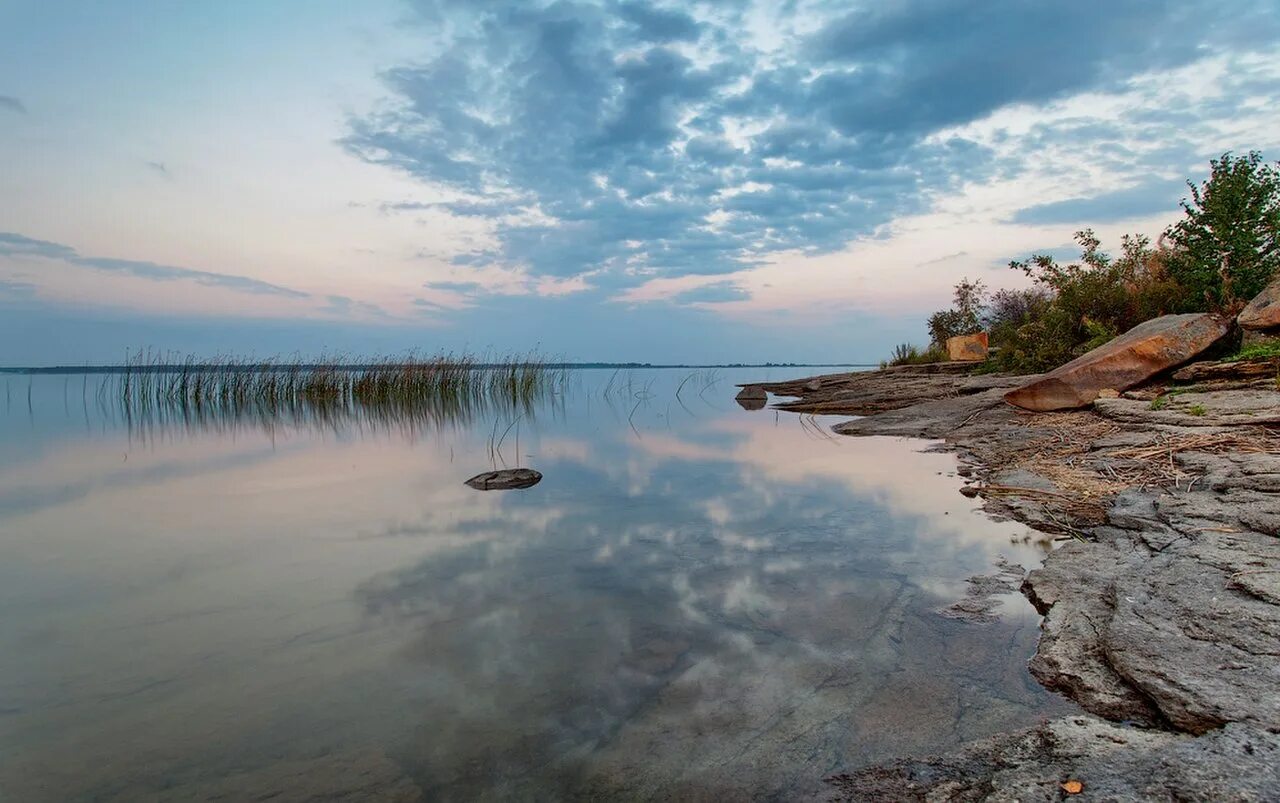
{"points": [[602, 180]]}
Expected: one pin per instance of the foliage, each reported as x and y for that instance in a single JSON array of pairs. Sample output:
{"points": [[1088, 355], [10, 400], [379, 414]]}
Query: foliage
{"points": [[1196, 409], [964, 318], [1223, 252], [907, 354], [1258, 351], [1229, 240], [1073, 308]]}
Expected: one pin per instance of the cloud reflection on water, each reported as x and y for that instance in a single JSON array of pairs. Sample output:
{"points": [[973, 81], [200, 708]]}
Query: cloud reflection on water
{"points": [[711, 606]]}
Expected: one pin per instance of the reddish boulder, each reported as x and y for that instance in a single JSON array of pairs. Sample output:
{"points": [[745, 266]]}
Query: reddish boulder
{"points": [[1263, 312], [1137, 355], [967, 348]]}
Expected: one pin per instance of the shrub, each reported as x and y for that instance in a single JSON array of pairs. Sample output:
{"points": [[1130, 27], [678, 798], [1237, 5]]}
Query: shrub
{"points": [[907, 354], [1076, 307]]}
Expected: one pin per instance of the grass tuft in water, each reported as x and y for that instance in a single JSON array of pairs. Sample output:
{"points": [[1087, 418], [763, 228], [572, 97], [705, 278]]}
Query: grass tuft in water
{"points": [[155, 388]]}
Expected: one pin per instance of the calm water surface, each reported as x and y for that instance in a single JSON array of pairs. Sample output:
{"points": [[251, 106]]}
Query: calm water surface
{"points": [[698, 601]]}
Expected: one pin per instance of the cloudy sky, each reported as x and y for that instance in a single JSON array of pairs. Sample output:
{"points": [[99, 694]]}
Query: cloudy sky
{"points": [[786, 180]]}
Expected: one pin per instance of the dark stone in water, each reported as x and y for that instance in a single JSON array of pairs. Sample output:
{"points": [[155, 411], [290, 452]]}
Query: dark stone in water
{"points": [[752, 397], [505, 480]]}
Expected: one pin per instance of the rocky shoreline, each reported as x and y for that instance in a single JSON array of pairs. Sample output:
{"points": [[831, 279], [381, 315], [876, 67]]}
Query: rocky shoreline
{"points": [[1161, 610]]}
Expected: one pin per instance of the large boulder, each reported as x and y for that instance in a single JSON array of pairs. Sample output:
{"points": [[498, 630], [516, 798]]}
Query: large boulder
{"points": [[1263, 312], [1137, 355], [967, 348]]}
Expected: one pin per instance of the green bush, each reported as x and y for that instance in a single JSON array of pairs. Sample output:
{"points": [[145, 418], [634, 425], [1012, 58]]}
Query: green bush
{"points": [[1073, 308]]}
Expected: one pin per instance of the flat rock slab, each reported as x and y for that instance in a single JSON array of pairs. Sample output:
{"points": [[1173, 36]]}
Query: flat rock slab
{"points": [[1137, 355], [1263, 312], [1110, 762], [505, 480], [1267, 367], [1212, 408]]}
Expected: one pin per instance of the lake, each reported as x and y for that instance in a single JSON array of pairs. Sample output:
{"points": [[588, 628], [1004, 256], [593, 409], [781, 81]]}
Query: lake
{"points": [[697, 601]]}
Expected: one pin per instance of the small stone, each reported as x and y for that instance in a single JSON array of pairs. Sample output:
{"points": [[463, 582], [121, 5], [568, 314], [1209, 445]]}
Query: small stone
{"points": [[505, 480]]}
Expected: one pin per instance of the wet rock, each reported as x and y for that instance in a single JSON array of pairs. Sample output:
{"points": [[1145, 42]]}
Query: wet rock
{"points": [[1263, 312], [1111, 762], [981, 601], [1076, 597], [931, 419], [1168, 614], [505, 479], [752, 397], [1170, 620], [1142, 352], [967, 348]]}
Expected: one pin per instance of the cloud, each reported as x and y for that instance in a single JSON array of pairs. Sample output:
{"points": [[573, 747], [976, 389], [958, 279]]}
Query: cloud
{"points": [[944, 258], [639, 141], [455, 287], [12, 104], [714, 293], [345, 307], [17, 245], [14, 289], [1143, 200]]}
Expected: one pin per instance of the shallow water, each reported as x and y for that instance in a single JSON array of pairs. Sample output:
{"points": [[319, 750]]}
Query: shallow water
{"points": [[697, 601]]}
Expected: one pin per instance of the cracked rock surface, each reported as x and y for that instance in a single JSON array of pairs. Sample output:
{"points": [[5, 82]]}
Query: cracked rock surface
{"points": [[1161, 618]]}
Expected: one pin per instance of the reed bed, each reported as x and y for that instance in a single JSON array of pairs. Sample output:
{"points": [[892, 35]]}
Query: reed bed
{"points": [[155, 389]]}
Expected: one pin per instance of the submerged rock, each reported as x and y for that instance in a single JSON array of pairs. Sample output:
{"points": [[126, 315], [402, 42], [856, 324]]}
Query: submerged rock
{"points": [[1263, 312], [506, 479], [982, 600], [1137, 355]]}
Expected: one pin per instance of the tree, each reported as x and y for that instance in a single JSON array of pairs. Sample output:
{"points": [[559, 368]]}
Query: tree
{"points": [[1228, 243], [965, 316]]}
